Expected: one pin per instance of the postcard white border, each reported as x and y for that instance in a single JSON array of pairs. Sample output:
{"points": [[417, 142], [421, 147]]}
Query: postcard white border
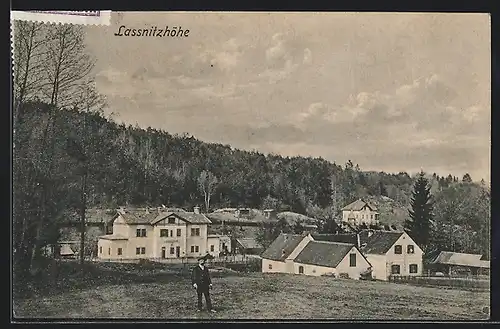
{"points": [[102, 17]]}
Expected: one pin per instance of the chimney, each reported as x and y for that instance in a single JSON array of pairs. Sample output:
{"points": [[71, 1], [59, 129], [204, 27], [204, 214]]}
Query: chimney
{"points": [[196, 210], [147, 210]]}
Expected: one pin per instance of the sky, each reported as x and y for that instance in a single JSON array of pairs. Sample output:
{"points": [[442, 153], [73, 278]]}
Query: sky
{"points": [[390, 91]]}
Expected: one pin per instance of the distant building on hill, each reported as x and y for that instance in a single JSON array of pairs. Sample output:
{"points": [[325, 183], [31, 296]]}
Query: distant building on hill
{"points": [[360, 212]]}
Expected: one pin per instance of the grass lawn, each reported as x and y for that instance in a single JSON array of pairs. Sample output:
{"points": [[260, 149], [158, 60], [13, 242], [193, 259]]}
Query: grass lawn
{"points": [[256, 296]]}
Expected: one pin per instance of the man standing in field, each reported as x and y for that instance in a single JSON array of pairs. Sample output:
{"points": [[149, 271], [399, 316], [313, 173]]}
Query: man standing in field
{"points": [[201, 281]]}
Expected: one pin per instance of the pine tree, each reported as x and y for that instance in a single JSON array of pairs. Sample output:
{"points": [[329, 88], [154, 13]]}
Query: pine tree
{"points": [[418, 225], [467, 178]]}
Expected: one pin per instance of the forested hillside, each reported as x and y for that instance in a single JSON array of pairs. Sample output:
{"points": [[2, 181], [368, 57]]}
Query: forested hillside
{"points": [[132, 166], [68, 156]]}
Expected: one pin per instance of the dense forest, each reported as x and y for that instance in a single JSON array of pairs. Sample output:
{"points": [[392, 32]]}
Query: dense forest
{"points": [[67, 155]]}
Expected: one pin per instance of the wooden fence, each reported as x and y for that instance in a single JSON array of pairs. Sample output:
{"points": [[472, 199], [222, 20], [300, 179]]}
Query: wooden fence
{"points": [[461, 282]]}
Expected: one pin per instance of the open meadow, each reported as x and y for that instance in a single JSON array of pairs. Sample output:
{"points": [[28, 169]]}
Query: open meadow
{"points": [[125, 291]]}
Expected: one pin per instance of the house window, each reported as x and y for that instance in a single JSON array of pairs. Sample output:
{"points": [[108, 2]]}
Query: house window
{"points": [[395, 269], [179, 232], [100, 250], [171, 233], [352, 260], [196, 248], [398, 249], [172, 250], [410, 249], [195, 232], [171, 220], [163, 233], [119, 251], [137, 251], [212, 248], [143, 250], [192, 248], [109, 251], [301, 269], [270, 266], [371, 216], [140, 232], [413, 268]]}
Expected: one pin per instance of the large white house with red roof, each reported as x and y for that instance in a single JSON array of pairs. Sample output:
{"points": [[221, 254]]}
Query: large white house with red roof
{"points": [[159, 233]]}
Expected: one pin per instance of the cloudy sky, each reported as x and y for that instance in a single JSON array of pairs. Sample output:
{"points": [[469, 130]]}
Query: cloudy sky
{"points": [[392, 92]]}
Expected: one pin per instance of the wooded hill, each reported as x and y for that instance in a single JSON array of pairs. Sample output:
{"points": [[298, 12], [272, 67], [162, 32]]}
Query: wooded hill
{"points": [[128, 165]]}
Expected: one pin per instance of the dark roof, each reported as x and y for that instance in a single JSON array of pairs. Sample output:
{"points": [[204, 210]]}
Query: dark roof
{"points": [[323, 253], [379, 242], [137, 215], [358, 205], [344, 238], [282, 246], [249, 243], [461, 259]]}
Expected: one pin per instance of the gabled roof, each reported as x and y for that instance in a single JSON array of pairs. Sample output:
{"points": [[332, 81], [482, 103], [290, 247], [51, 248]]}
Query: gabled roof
{"points": [[66, 250], [282, 246], [461, 259], [343, 238], [323, 253], [379, 242], [249, 243], [358, 205], [190, 217], [138, 216]]}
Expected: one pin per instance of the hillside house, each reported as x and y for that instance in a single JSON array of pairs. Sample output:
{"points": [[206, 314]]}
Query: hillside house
{"points": [[389, 252], [360, 212], [158, 234], [456, 263], [301, 254]]}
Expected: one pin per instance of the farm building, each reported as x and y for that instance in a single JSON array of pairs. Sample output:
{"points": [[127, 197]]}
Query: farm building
{"points": [[301, 254], [247, 246], [452, 263], [389, 252]]}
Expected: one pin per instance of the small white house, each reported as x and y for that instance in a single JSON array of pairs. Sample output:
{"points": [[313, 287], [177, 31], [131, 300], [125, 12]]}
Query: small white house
{"points": [[360, 212], [389, 252], [301, 254]]}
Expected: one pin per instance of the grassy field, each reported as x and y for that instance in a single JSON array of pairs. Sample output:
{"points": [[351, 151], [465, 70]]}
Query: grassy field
{"points": [[169, 295]]}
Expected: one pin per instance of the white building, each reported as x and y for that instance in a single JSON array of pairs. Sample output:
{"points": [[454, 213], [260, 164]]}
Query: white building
{"points": [[159, 234], [359, 212], [389, 252], [301, 254]]}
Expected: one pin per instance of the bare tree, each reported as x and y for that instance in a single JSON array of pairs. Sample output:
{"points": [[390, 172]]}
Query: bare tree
{"points": [[28, 61], [207, 183], [68, 65]]}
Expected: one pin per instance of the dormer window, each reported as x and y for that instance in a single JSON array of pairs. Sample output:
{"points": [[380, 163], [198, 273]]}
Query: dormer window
{"points": [[171, 220]]}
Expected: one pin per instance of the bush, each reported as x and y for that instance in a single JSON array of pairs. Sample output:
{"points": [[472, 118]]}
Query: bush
{"points": [[344, 275]]}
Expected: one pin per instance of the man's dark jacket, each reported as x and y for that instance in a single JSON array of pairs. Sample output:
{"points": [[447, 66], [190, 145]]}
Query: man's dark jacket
{"points": [[201, 277]]}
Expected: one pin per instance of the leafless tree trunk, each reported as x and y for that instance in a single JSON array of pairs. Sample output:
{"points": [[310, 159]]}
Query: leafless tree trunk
{"points": [[207, 183], [50, 63]]}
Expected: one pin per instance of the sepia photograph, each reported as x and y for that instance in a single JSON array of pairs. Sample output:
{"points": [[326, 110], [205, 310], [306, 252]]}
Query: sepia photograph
{"points": [[227, 166]]}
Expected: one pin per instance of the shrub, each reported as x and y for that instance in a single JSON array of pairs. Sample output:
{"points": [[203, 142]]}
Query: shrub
{"points": [[344, 275]]}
